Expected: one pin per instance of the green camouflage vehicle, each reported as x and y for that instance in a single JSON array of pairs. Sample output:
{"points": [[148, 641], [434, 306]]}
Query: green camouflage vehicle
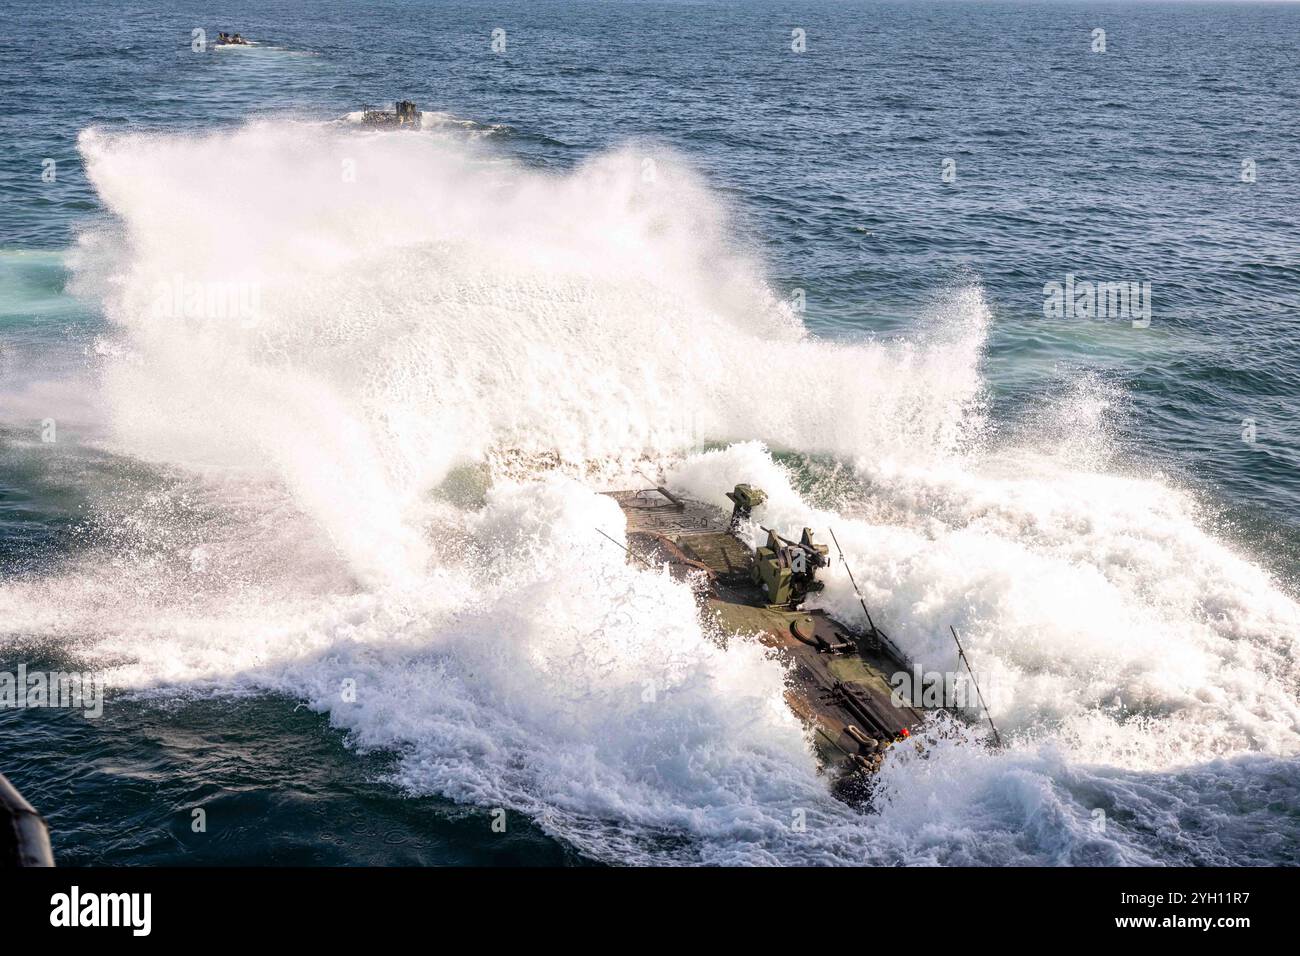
{"points": [[838, 678]]}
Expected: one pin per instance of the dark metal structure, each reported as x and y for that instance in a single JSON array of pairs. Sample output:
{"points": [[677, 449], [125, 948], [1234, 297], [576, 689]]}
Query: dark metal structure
{"points": [[24, 840]]}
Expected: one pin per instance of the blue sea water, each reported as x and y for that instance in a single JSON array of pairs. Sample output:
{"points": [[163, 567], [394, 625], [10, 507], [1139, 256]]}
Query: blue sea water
{"points": [[627, 190]]}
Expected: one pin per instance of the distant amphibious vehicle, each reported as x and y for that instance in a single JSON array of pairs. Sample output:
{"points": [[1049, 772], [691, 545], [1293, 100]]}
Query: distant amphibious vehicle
{"points": [[403, 115], [839, 677]]}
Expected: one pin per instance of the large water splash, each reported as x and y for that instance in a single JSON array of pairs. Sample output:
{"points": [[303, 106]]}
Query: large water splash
{"points": [[423, 305]]}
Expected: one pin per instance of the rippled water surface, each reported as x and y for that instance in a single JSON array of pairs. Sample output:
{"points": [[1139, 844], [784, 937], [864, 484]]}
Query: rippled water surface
{"points": [[647, 229]]}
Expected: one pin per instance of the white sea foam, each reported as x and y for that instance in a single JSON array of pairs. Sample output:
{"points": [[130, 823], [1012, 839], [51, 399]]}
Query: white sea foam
{"points": [[447, 308]]}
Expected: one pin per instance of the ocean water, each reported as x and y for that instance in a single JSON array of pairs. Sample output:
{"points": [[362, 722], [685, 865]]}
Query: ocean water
{"points": [[301, 425]]}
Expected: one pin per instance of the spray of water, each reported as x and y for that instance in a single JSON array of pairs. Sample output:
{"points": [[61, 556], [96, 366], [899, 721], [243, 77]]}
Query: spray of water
{"points": [[424, 311]]}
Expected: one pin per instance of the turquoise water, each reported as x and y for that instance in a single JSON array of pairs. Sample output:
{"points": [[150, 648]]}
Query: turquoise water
{"points": [[586, 247]]}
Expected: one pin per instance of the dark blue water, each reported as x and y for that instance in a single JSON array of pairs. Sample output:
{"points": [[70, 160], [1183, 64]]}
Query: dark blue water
{"points": [[1125, 165]]}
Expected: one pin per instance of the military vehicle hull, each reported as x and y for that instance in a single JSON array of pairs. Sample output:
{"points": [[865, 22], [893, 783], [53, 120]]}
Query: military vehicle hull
{"points": [[838, 677], [403, 115]]}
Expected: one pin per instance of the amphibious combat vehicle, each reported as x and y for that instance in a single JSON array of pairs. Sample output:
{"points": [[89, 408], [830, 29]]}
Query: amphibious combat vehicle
{"points": [[403, 115], [838, 677]]}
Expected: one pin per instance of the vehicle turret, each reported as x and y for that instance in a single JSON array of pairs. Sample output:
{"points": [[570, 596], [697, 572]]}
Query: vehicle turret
{"points": [[787, 570], [744, 499]]}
